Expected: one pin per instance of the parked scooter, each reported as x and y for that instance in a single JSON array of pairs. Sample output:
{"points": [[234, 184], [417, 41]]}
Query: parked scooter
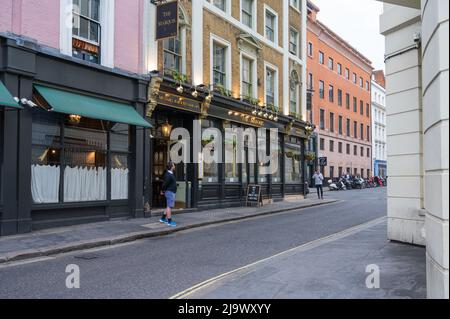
{"points": [[336, 186], [358, 182]]}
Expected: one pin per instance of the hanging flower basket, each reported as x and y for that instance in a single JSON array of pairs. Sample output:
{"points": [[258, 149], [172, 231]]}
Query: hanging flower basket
{"points": [[310, 156]]}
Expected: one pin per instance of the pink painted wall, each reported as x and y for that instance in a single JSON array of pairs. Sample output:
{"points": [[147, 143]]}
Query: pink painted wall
{"points": [[40, 20], [128, 34], [36, 19]]}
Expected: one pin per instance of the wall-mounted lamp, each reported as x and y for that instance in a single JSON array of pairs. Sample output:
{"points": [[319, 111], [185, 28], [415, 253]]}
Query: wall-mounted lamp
{"points": [[166, 129]]}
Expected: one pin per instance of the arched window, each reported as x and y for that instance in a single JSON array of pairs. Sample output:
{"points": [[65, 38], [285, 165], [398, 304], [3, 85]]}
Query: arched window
{"points": [[174, 49]]}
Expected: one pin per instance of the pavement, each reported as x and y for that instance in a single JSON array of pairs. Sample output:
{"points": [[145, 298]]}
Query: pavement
{"points": [[334, 267], [67, 239]]}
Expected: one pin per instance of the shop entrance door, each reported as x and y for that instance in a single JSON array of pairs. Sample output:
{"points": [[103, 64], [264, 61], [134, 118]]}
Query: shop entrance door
{"points": [[161, 157]]}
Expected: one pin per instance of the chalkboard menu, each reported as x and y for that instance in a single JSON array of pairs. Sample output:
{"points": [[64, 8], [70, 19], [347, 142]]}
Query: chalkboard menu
{"points": [[254, 195]]}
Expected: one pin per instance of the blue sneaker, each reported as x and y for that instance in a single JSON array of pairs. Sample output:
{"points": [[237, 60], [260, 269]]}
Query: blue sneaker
{"points": [[171, 223], [163, 220]]}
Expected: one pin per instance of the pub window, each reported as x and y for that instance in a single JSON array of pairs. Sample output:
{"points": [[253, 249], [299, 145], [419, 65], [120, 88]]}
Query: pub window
{"points": [[271, 25], [292, 162], [247, 77], [263, 138], [172, 54], [86, 30], [219, 65], [209, 172], [120, 153], [293, 41], [219, 4], [276, 177], [247, 12], [270, 86], [231, 164], [293, 92], [80, 160]]}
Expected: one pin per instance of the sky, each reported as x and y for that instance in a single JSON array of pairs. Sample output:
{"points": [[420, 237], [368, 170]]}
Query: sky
{"points": [[357, 22]]}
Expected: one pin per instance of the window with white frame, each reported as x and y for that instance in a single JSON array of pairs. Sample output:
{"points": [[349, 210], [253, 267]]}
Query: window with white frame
{"points": [[172, 54], [221, 4], [247, 77], [295, 4], [293, 41], [86, 30], [271, 82], [293, 92], [271, 25], [247, 12], [219, 64]]}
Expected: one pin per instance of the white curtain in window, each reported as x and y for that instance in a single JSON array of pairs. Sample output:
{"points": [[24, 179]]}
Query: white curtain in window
{"points": [[119, 183], [84, 184], [45, 183]]}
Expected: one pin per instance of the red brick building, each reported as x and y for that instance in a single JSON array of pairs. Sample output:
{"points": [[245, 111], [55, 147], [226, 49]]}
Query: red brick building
{"points": [[339, 78]]}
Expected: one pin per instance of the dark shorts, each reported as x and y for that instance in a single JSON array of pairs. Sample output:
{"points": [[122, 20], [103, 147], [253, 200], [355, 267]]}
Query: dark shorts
{"points": [[170, 198]]}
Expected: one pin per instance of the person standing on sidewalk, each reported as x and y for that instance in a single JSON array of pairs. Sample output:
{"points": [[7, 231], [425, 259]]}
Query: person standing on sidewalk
{"points": [[318, 181], [169, 189]]}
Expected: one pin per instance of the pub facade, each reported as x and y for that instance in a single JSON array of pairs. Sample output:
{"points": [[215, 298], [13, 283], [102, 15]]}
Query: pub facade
{"points": [[86, 118]]}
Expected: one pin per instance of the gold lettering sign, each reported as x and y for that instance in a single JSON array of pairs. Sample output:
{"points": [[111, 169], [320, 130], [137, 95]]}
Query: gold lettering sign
{"points": [[179, 102]]}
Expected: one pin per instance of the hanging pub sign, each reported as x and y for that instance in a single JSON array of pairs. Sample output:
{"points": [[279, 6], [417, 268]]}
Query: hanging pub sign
{"points": [[166, 20]]}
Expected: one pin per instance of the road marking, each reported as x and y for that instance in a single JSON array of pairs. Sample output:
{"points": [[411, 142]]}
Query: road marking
{"points": [[312, 244], [25, 262]]}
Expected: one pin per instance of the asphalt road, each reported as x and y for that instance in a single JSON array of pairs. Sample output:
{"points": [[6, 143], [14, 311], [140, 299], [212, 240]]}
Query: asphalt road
{"points": [[161, 267]]}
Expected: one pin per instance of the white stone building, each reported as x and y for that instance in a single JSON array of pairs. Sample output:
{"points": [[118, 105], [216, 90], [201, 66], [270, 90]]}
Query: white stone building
{"points": [[379, 134], [417, 80]]}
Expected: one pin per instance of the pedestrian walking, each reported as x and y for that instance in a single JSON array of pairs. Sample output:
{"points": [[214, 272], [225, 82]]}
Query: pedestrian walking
{"points": [[318, 181], [169, 190]]}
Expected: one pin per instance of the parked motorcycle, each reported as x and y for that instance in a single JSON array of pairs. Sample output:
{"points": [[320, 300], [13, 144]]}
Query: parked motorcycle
{"points": [[358, 182], [336, 186]]}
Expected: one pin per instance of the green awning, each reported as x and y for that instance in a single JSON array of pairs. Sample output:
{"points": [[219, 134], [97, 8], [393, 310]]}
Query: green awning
{"points": [[87, 106], [6, 98]]}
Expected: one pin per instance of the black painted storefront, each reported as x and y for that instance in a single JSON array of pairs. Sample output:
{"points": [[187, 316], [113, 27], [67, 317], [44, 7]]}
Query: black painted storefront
{"points": [[24, 65], [220, 193]]}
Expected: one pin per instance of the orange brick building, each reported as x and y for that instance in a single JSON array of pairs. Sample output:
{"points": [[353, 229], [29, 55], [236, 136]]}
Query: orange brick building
{"points": [[338, 77]]}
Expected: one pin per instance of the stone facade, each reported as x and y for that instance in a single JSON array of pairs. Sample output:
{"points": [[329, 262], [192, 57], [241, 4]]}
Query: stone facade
{"points": [[417, 55]]}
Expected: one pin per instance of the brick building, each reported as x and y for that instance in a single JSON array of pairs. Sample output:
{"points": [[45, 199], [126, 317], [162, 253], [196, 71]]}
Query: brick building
{"points": [[339, 78], [99, 97]]}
